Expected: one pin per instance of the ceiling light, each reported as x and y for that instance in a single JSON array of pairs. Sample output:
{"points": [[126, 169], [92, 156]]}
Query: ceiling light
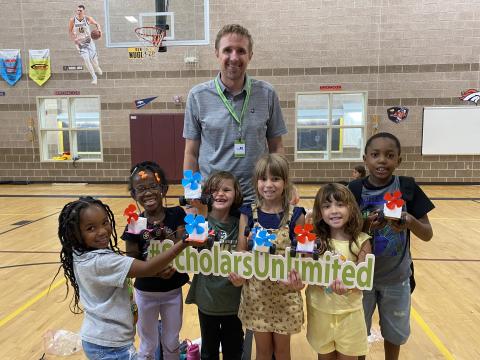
{"points": [[131, 19]]}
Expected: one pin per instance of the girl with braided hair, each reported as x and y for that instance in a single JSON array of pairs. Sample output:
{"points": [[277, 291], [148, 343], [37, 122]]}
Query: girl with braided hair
{"points": [[98, 274]]}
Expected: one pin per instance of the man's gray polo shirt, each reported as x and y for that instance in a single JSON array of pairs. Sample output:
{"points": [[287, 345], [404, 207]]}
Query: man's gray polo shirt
{"points": [[208, 120]]}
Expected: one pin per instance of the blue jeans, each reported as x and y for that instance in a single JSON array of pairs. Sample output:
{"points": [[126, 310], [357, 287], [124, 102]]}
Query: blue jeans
{"points": [[98, 352], [393, 303]]}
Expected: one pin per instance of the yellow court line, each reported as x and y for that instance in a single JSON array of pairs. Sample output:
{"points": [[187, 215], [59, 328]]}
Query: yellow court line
{"points": [[454, 219], [434, 338], [29, 303]]}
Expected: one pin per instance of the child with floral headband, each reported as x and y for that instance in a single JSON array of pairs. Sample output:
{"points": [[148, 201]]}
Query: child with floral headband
{"points": [[162, 294]]}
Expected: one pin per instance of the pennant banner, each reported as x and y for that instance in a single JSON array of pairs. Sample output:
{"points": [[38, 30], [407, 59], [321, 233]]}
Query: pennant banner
{"points": [[142, 102], [10, 65], [39, 66]]}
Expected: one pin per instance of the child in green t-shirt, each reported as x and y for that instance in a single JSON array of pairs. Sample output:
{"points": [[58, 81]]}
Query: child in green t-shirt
{"points": [[216, 297]]}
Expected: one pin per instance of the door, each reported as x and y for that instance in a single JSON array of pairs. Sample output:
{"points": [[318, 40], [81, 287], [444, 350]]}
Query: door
{"points": [[159, 138]]}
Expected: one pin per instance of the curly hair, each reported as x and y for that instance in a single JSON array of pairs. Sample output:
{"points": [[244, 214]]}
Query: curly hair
{"points": [[275, 165], [353, 227], [72, 242], [215, 180]]}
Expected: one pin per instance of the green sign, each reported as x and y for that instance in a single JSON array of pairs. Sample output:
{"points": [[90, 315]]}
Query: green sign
{"points": [[274, 267]]}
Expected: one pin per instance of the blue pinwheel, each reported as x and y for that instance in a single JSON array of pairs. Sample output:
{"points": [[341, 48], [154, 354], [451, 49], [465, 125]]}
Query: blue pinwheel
{"points": [[194, 223], [264, 238], [192, 179]]}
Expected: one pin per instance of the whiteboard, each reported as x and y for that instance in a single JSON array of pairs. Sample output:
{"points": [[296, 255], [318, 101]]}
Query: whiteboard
{"points": [[451, 130]]}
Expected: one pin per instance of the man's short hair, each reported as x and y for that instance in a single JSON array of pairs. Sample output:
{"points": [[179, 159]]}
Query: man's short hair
{"points": [[81, 6], [234, 29]]}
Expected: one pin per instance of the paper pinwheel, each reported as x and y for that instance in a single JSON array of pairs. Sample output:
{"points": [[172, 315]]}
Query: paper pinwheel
{"points": [[130, 213], [194, 223], [263, 238], [393, 200], [303, 233], [192, 179]]}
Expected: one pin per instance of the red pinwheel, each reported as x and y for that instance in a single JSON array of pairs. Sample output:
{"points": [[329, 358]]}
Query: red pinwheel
{"points": [[394, 200], [130, 213], [303, 233]]}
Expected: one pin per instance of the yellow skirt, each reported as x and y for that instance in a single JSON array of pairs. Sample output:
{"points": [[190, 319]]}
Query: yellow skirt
{"points": [[268, 306]]}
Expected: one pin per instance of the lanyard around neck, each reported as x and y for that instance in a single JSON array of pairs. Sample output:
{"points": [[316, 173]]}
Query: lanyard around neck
{"points": [[229, 107]]}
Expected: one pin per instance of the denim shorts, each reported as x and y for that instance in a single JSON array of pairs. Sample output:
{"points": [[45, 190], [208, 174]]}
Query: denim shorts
{"points": [[98, 352], [394, 310]]}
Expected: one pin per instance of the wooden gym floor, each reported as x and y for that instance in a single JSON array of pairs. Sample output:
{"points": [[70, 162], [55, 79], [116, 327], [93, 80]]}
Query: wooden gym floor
{"points": [[445, 317]]}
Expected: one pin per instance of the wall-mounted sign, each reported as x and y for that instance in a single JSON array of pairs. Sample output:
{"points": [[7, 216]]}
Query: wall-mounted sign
{"points": [[330, 87], [67, 92], [135, 53], [2, 93], [72, 67], [397, 113], [471, 95]]}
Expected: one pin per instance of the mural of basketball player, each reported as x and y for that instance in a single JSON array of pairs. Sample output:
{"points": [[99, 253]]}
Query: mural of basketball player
{"points": [[79, 30]]}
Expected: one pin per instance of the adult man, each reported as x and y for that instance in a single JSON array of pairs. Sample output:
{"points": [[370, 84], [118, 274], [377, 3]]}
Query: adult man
{"points": [[79, 30], [232, 120]]}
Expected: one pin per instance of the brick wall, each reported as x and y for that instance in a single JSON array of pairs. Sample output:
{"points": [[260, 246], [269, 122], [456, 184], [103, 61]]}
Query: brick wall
{"points": [[406, 52], [23, 165]]}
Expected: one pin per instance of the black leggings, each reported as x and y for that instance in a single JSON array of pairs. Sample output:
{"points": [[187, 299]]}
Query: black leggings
{"points": [[226, 330]]}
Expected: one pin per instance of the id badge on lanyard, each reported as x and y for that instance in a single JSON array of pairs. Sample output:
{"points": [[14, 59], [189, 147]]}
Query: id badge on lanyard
{"points": [[239, 150]]}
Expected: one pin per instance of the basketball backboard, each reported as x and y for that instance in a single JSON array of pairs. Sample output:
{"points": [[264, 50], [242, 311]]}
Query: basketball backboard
{"points": [[187, 21]]}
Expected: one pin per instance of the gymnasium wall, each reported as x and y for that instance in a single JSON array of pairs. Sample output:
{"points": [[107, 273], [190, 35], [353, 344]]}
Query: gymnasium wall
{"points": [[406, 52]]}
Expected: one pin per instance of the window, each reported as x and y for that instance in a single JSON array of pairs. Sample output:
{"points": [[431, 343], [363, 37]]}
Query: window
{"points": [[330, 126], [69, 127]]}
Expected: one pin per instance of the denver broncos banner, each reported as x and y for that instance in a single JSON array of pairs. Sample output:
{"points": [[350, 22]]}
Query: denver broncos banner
{"points": [[39, 66], [10, 65], [142, 102]]}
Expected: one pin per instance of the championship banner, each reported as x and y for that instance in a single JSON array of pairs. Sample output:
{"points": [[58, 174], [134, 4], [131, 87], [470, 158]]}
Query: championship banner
{"points": [[10, 65], [266, 266], [39, 66]]}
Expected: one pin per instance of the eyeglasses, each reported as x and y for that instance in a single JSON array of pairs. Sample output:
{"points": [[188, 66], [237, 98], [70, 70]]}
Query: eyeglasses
{"points": [[152, 187]]}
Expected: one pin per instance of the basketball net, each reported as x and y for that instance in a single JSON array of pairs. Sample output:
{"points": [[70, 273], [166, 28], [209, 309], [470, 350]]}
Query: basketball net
{"points": [[152, 37]]}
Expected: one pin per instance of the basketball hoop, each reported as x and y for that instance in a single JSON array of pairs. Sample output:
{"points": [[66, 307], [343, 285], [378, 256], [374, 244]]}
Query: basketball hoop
{"points": [[153, 35]]}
